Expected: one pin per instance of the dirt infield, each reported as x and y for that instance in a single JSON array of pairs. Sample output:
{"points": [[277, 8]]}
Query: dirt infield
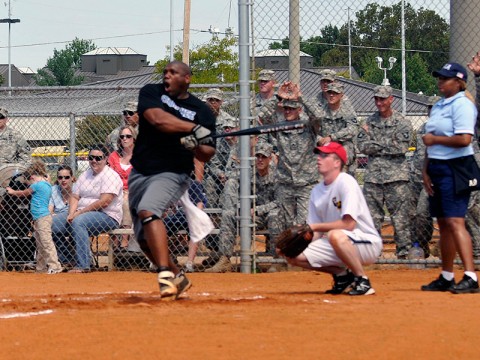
{"points": [[283, 315]]}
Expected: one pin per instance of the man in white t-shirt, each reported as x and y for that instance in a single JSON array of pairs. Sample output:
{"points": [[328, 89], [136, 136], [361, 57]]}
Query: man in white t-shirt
{"points": [[345, 237]]}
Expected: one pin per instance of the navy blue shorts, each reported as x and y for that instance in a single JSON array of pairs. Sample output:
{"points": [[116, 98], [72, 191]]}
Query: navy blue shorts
{"points": [[445, 203]]}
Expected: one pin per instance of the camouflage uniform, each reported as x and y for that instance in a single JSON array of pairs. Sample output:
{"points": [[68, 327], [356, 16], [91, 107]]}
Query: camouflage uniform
{"points": [[387, 174], [13, 147], [229, 201], [472, 219], [217, 167], [422, 229], [296, 173], [342, 126]]}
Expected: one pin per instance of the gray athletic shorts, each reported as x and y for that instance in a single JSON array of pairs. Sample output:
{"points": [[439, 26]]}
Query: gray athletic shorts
{"points": [[154, 193]]}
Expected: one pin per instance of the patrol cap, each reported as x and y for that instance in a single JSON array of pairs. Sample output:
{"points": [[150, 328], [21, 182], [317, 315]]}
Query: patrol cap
{"points": [[263, 148], [230, 123], [214, 93], [332, 148], [290, 103], [335, 87], [328, 74], [266, 75], [382, 91], [452, 70], [131, 106], [3, 112], [432, 100]]}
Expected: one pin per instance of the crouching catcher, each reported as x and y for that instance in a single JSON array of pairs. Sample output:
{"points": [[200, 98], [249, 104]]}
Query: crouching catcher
{"points": [[340, 236]]}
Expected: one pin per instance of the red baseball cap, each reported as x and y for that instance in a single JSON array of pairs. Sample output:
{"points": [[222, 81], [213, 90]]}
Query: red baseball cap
{"points": [[332, 148]]}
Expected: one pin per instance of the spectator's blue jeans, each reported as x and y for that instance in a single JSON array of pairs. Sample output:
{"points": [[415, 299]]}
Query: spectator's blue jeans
{"points": [[60, 232], [82, 227]]}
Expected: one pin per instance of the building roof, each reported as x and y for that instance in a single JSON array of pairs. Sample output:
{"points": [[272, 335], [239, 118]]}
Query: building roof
{"points": [[113, 51], [278, 52]]}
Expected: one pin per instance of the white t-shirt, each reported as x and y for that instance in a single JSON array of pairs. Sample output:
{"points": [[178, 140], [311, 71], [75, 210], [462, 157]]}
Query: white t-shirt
{"points": [[89, 187], [342, 197]]}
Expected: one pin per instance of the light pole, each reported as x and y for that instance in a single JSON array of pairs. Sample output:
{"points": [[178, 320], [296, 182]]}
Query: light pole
{"points": [[10, 21], [391, 61]]}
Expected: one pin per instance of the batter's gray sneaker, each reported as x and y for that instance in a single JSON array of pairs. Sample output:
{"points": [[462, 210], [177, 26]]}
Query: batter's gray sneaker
{"points": [[182, 283], [168, 288]]}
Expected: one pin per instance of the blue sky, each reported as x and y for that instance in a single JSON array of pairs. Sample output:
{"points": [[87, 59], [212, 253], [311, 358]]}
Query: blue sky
{"points": [[143, 25]]}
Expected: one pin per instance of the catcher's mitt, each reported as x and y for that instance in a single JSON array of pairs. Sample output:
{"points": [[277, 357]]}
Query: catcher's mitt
{"points": [[293, 241], [289, 91]]}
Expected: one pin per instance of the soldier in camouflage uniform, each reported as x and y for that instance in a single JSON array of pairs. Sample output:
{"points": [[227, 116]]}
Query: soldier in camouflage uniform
{"points": [[229, 204], [423, 223], [215, 170], [130, 118], [296, 169], [339, 124], [472, 219], [13, 146], [214, 99], [266, 86], [385, 138], [329, 76], [266, 207]]}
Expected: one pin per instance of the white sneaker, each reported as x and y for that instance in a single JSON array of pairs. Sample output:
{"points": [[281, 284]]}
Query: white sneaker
{"points": [[189, 267], [54, 271]]}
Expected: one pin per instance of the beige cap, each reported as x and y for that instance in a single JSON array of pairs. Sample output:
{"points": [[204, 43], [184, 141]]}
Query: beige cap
{"points": [[328, 74], [264, 148], [335, 87], [266, 75], [131, 106], [214, 93], [382, 91], [230, 123]]}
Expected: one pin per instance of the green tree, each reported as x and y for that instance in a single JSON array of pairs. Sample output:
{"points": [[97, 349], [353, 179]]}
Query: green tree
{"points": [[213, 62], [94, 129], [60, 68]]}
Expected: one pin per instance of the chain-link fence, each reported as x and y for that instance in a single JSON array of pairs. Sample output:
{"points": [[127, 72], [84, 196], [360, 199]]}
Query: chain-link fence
{"points": [[298, 40]]}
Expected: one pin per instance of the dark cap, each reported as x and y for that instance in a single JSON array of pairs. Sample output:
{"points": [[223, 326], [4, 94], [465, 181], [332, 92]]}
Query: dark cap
{"points": [[332, 148], [452, 70]]}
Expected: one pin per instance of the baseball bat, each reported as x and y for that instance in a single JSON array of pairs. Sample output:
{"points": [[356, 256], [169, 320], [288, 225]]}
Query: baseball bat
{"points": [[266, 129]]}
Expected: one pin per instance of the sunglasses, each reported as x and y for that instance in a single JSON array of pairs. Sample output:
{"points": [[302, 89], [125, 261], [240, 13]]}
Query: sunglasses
{"points": [[126, 136], [96, 158], [63, 177], [2, 117], [128, 113]]}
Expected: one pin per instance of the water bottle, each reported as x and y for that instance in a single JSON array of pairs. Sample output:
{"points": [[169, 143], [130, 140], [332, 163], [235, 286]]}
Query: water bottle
{"points": [[416, 253]]}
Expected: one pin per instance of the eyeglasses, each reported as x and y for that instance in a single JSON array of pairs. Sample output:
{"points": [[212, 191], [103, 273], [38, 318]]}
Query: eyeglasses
{"points": [[63, 177], [128, 113], [126, 136], [96, 158]]}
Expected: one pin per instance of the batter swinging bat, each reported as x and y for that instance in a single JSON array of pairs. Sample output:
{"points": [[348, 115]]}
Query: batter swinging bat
{"points": [[266, 129]]}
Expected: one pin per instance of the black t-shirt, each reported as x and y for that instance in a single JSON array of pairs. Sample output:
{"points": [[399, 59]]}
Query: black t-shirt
{"points": [[155, 151]]}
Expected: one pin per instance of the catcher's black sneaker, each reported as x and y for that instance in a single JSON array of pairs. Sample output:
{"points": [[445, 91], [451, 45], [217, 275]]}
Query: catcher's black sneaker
{"points": [[168, 289], [182, 283], [440, 284], [465, 286], [341, 283], [361, 287]]}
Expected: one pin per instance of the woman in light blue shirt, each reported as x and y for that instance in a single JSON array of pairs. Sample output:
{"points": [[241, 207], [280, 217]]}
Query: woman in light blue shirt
{"points": [[58, 206], [449, 133]]}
